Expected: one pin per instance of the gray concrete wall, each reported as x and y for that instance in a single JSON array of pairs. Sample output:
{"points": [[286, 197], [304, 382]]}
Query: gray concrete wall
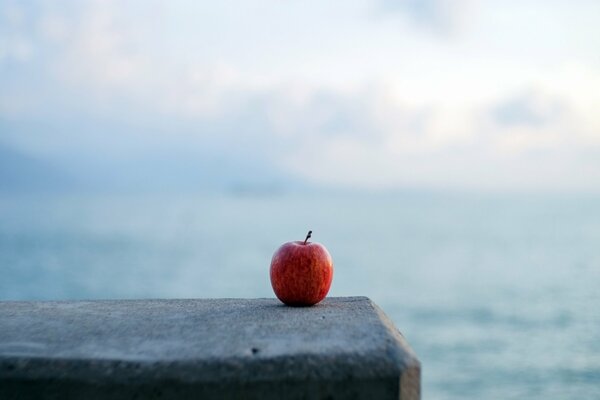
{"points": [[342, 348]]}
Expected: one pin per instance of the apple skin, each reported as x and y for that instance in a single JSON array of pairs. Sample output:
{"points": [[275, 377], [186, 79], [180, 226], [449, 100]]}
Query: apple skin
{"points": [[301, 273]]}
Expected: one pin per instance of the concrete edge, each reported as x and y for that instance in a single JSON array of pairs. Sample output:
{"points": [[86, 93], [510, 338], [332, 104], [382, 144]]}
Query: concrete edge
{"points": [[406, 359]]}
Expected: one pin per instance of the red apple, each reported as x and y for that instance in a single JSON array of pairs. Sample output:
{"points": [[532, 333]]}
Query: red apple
{"points": [[301, 272]]}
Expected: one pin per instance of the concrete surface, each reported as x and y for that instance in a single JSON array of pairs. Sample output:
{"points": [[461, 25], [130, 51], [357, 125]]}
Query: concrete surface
{"points": [[342, 348]]}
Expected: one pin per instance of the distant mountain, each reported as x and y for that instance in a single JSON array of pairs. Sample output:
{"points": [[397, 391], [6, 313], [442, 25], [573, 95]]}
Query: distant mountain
{"points": [[116, 156], [20, 172]]}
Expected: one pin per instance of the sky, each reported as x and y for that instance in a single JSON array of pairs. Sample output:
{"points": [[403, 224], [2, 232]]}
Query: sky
{"points": [[441, 94]]}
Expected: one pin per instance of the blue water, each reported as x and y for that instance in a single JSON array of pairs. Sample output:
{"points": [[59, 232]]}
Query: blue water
{"points": [[498, 295]]}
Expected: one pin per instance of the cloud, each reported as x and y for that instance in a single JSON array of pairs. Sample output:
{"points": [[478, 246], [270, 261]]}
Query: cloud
{"points": [[530, 139], [14, 46], [528, 109], [102, 90], [439, 16]]}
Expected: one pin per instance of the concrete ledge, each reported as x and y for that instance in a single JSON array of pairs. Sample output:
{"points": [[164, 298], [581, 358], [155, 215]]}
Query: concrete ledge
{"points": [[215, 349]]}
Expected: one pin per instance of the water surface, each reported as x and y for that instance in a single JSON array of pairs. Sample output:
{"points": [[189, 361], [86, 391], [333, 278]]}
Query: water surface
{"points": [[497, 294]]}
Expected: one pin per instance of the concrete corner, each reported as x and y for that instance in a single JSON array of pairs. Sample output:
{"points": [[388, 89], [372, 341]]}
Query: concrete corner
{"points": [[343, 348]]}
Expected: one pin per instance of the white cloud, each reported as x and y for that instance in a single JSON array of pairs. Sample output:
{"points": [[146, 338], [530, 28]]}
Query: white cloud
{"points": [[529, 139], [53, 28], [100, 51], [370, 106], [14, 46], [440, 16]]}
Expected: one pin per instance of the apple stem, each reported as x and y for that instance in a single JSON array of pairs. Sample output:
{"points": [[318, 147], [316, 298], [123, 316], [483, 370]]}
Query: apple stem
{"points": [[308, 236]]}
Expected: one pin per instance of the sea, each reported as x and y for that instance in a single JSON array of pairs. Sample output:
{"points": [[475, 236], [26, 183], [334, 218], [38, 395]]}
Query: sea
{"points": [[498, 294]]}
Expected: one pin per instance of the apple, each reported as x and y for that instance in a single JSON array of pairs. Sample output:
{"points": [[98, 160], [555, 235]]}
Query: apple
{"points": [[301, 272]]}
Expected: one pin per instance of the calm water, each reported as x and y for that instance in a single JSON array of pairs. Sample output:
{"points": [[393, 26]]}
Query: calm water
{"points": [[498, 295]]}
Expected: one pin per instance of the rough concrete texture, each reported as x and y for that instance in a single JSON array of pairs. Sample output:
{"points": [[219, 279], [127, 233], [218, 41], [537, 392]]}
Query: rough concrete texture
{"points": [[342, 348]]}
